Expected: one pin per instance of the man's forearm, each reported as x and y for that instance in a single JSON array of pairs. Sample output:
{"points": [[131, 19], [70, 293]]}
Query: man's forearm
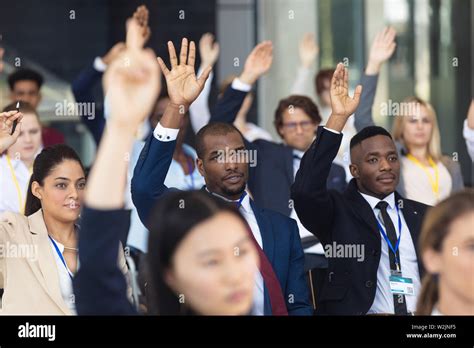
{"points": [[173, 115]]}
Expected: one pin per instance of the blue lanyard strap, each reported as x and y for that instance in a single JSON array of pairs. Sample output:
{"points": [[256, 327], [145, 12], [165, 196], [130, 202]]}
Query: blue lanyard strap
{"points": [[382, 231], [60, 255], [239, 203]]}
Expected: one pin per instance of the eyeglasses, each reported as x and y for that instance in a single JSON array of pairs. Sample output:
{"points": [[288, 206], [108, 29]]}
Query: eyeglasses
{"points": [[292, 126]]}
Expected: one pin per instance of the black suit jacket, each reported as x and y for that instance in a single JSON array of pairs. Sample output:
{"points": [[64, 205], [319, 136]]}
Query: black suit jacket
{"points": [[347, 286], [271, 179]]}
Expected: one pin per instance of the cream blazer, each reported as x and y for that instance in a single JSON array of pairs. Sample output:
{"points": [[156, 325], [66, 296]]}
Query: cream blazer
{"points": [[28, 270]]}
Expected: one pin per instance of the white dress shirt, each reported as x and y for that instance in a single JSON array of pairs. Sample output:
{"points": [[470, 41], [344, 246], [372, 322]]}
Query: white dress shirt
{"points": [[258, 298], [383, 301], [9, 192], [65, 281]]}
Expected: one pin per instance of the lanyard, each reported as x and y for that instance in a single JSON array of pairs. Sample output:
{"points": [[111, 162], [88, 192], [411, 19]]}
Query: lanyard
{"points": [[239, 203], [433, 182], [17, 186], [60, 255], [394, 249], [191, 171]]}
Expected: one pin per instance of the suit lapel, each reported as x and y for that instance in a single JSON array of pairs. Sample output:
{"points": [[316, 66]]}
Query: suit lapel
{"points": [[265, 226], [48, 275], [362, 210]]}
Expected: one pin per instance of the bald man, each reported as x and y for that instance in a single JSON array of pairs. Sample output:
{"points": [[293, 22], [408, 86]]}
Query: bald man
{"points": [[369, 232]]}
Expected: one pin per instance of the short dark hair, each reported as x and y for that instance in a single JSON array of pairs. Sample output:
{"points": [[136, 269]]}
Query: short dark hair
{"points": [[25, 74], [321, 76], [215, 128], [296, 101], [368, 132]]}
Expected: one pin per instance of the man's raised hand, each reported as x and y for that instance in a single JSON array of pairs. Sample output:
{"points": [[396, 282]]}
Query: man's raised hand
{"points": [[342, 104], [183, 85]]}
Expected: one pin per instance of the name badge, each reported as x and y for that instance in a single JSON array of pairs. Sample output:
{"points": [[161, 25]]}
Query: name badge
{"points": [[401, 285]]}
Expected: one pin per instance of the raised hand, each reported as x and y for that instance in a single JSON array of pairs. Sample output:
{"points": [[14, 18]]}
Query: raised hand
{"points": [[141, 15], [381, 50], [308, 49], [209, 50], [183, 85], [341, 104], [7, 139], [113, 53], [132, 81], [258, 62]]}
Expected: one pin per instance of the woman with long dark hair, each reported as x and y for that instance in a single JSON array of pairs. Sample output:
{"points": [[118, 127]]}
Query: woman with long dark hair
{"points": [[201, 257], [447, 247], [37, 269]]}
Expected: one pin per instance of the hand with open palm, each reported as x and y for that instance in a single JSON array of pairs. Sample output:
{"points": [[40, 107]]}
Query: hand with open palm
{"points": [[342, 104], [183, 85]]}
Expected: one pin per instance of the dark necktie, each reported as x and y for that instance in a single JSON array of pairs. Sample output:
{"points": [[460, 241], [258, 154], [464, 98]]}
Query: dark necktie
{"points": [[399, 300], [270, 279]]}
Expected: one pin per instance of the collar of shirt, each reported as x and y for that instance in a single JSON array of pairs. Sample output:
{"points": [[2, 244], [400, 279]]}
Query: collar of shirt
{"points": [[245, 204], [373, 201], [298, 153]]}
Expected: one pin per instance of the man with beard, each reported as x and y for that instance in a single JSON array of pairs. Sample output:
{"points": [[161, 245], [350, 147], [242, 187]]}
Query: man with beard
{"points": [[281, 285]]}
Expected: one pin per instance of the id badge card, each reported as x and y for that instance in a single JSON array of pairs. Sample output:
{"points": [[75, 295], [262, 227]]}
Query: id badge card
{"points": [[401, 285]]}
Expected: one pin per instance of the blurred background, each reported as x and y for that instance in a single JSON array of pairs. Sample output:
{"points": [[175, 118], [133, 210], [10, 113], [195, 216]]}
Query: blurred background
{"points": [[434, 57]]}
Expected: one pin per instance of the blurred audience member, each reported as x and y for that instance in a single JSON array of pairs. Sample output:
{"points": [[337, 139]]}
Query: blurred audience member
{"points": [[447, 248]]}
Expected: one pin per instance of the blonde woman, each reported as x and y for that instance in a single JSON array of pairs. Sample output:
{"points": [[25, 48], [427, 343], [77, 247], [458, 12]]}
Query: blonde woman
{"points": [[447, 249], [16, 161], [425, 174]]}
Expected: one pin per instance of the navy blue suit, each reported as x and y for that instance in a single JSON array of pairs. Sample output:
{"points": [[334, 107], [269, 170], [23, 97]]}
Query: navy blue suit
{"points": [[99, 285], [281, 241], [271, 179]]}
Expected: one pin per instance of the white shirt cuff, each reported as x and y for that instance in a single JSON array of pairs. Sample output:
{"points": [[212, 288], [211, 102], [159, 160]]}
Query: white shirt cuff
{"points": [[332, 130], [99, 64], [467, 132], [165, 134], [241, 86]]}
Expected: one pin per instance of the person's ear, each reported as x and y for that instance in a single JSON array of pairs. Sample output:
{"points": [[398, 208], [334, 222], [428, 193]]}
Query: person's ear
{"points": [[200, 166], [36, 190], [432, 261], [354, 170]]}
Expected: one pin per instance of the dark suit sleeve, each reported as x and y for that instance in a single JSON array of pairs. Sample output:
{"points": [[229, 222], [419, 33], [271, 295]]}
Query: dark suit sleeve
{"points": [[82, 88], [313, 203], [297, 294], [363, 114], [100, 287], [148, 181], [228, 106]]}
